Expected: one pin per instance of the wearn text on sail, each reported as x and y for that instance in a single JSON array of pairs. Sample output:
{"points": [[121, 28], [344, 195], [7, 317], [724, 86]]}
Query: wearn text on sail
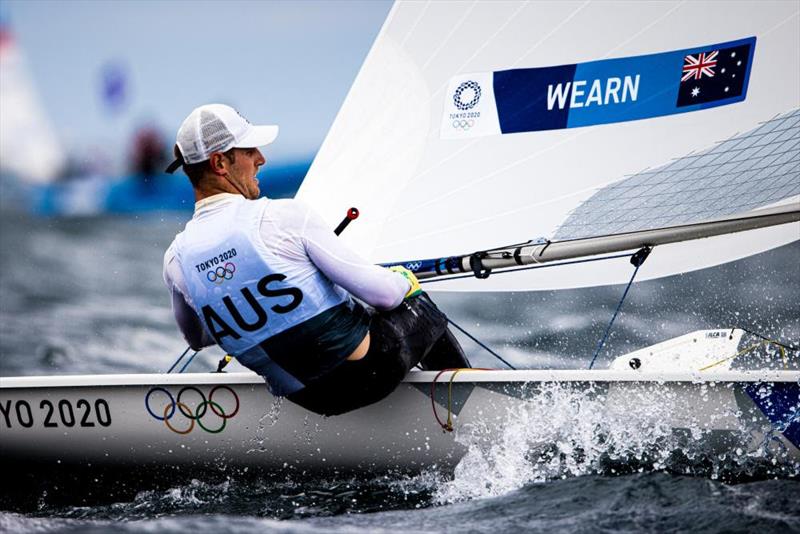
{"points": [[585, 93]]}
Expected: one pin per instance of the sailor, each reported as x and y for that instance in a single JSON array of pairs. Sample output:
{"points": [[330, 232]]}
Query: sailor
{"points": [[271, 284]]}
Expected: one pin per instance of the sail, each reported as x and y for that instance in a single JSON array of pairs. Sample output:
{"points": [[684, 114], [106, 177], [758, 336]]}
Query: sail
{"points": [[28, 145], [478, 124]]}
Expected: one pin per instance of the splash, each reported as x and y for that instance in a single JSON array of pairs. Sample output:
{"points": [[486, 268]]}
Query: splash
{"points": [[564, 431], [269, 419]]}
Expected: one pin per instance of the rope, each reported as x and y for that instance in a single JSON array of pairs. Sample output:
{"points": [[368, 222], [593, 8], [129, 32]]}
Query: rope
{"points": [[476, 340], [613, 317], [541, 266], [750, 348], [189, 361], [765, 338], [448, 426], [428, 302], [179, 359]]}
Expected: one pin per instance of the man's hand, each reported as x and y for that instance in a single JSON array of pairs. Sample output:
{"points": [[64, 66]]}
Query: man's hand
{"points": [[415, 287]]}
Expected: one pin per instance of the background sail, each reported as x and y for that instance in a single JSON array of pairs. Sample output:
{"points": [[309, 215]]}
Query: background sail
{"points": [[425, 194], [28, 146]]}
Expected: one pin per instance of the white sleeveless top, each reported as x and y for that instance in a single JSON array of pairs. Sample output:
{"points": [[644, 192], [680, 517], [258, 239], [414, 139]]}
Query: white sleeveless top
{"points": [[243, 291]]}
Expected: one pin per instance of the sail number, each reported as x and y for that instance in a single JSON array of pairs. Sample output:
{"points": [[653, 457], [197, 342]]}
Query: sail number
{"points": [[56, 414]]}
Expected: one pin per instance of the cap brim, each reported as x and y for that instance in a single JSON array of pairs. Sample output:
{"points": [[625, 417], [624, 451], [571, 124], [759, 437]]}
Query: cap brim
{"points": [[174, 166], [258, 136]]}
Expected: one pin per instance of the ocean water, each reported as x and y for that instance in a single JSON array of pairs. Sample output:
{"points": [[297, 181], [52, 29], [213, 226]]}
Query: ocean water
{"points": [[85, 296]]}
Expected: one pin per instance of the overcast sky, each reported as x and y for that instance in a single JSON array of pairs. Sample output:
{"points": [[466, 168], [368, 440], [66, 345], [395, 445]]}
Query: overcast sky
{"points": [[289, 63]]}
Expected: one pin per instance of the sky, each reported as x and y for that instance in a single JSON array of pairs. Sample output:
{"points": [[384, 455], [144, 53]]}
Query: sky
{"points": [[289, 63]]}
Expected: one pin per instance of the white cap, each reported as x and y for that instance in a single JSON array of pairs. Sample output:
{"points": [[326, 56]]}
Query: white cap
{"points": [[217, 128]]}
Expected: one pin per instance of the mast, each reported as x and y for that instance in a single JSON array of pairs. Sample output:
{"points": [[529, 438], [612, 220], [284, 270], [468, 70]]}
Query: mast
{"points": [[482, 262]]}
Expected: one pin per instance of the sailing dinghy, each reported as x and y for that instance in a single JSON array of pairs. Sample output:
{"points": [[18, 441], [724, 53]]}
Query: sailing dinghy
{"points": [[584, 134]]}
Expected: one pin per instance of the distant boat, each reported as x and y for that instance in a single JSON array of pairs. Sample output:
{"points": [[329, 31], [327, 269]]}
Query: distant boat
{"points": [[29, 147]]}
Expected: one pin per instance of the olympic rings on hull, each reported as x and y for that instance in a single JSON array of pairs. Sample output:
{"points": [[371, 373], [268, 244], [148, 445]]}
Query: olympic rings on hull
{"points": [[221, 273], [177, 405]]}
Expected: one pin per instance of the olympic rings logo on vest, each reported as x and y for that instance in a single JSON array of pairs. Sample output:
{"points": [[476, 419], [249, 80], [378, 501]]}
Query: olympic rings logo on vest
{"points": [[208, 413], [221, 273]]}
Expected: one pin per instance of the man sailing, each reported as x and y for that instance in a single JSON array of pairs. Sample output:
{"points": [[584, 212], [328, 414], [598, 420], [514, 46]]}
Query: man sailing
{"points": [[272, 285]]}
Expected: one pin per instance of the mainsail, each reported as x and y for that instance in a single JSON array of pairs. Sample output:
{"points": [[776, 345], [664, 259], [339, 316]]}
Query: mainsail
{"points": [[477, 124]]}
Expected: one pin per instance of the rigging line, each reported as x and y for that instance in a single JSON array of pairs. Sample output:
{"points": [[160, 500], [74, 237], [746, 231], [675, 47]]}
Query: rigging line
{"points": [[431, 306], [765, 338], [613, 317], [528, 268], [448, 426], [189, 361], [483, 345], [765, 342], [179, 359]]}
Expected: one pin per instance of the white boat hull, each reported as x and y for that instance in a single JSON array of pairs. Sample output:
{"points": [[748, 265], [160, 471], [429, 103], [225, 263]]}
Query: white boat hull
{"points": [[120, 419]]}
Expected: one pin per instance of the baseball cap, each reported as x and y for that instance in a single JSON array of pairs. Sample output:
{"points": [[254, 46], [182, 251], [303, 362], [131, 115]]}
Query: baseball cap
{"points": [[217, 128]]}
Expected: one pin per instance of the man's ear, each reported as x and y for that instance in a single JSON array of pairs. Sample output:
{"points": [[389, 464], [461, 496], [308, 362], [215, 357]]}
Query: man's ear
{"points": [[217, 161]]}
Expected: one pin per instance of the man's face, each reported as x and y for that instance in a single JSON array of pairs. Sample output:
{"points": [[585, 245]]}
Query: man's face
{"points": [[244, 168]]}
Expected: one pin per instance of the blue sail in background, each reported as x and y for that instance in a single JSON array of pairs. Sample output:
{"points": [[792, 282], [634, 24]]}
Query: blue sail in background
{"points": [[114, 86]]}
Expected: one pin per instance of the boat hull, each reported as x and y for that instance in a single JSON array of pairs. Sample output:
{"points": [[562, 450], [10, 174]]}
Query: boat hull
{"points": [[232, 420]]}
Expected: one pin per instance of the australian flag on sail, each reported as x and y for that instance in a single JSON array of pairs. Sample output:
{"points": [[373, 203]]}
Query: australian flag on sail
{"points": [[714, 75]]}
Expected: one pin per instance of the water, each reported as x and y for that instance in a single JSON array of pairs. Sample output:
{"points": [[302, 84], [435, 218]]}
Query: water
{"points": [[86, 296]]}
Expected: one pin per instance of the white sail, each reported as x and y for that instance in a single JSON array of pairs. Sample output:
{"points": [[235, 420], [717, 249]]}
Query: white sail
{"points": [[29, 147], [438, 164]]}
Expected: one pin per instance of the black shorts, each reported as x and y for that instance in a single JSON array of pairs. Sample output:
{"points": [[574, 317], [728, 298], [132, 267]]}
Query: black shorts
{"points": [[399, 339]]}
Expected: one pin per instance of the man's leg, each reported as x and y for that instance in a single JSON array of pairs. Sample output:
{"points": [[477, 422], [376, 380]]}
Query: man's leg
{"points": [[351, 385], [399, 340], [446, 353]]}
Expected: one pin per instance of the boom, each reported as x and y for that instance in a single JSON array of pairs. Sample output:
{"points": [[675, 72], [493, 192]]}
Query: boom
{"points": [[482, 262]]}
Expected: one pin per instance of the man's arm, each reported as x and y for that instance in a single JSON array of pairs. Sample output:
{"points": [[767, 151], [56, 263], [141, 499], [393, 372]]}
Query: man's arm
{"points": [[377, 286], [188, 322]]}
